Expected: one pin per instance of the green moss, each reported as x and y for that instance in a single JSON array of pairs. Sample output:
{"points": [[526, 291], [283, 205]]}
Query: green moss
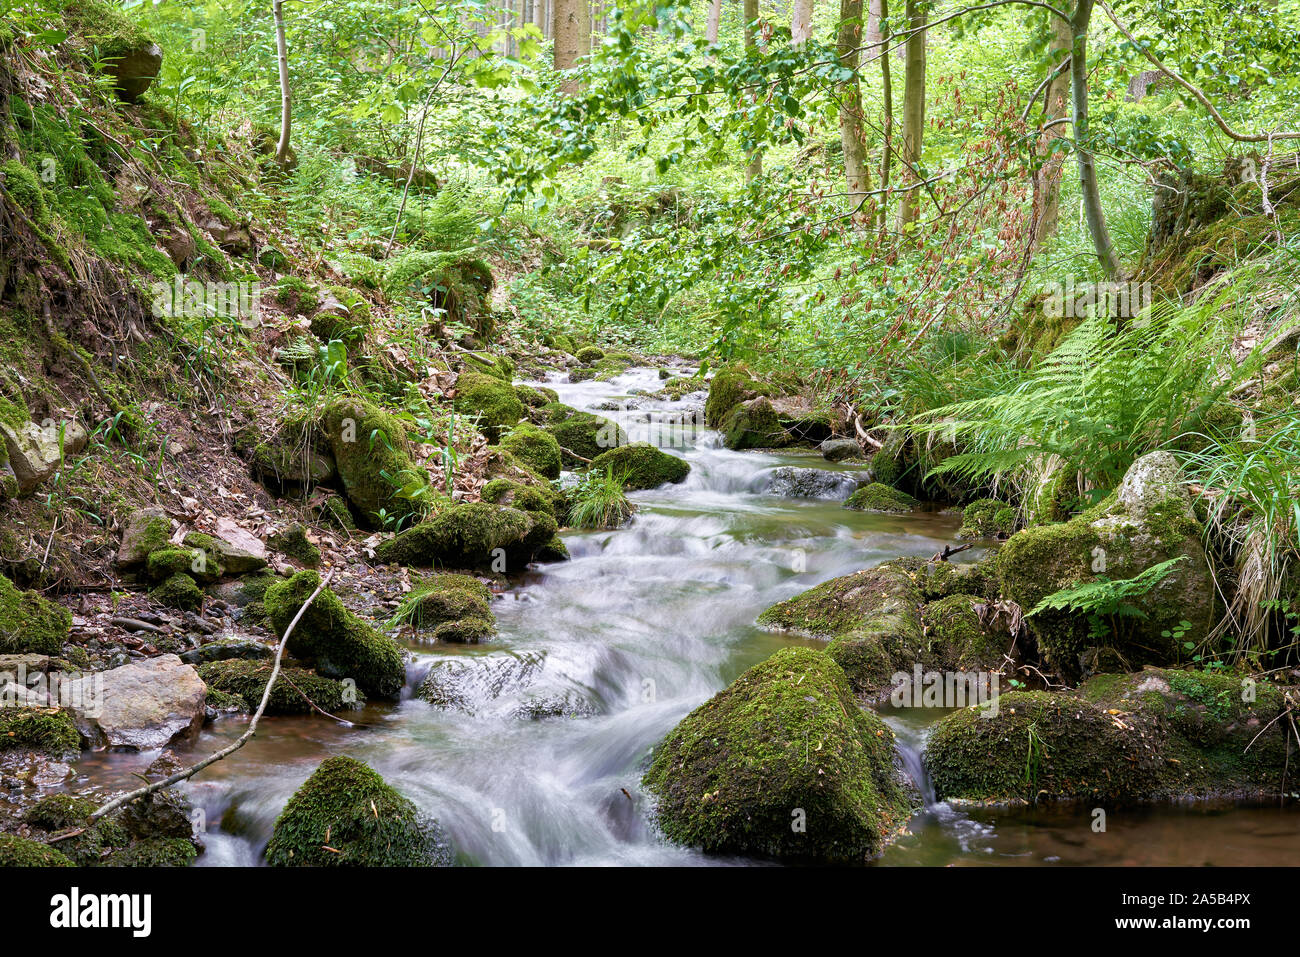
{"points": [[491, 400], [753, 424], [339, 643], [30, 623], [589, 354], [526, 498], [48, 730], [372, 452], [155, 852], [728, 388], [200, 560], [352, 326], [345, 815], [63, 812], [674, 389], [785, 743], [535, 448], [295, 690], [57, 812], [447, 598], [470, 535], [643, 466], [297, 296], [958, 636], [987, 518], [24, 188], [877, 497], [20, 852], [581, 435], [466, 631], [293, 542], [179, 591]]}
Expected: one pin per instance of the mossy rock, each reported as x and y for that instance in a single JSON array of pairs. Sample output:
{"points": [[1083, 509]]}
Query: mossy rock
{"points": [[589, 354], [178, 591], [581, 433], [675, 389], [1148, 521], [470, 535], [447, 598], [472, 630], [729, 388], [50, 731], [784, 744], [345, 815], [295, 690], [155, 852], [344, 317], [987, 518], [293, 542], [62, 812], [643, 466], [20, 852], [537, 449], [534, 398], [526, 498], [24, 188], [145, 531], [753, 424], [335, 641], [491, 400], [960, 638], [197, 563], [878, 497], [372, 452], [297, 296], [29, 623]]}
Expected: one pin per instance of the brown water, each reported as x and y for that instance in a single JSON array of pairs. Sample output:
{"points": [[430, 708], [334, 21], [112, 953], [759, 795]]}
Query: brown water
{"points": [[641, 626]]}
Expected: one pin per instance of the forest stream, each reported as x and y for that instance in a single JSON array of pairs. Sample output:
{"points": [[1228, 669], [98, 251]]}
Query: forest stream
{"points": [[642, 625]]}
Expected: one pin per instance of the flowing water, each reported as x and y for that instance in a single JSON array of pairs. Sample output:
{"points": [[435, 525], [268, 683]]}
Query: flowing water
{"points": [[641, 626]]}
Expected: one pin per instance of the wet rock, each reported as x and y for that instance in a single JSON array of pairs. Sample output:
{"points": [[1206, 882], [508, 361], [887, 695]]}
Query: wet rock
{"points": [[753, 424], [35, 451], [471, 684], [471, 535], [227, 649], [837, 450], [345, 815], [810, 483], [143, 705], [877, 497], [730, 775], [296, 690]]}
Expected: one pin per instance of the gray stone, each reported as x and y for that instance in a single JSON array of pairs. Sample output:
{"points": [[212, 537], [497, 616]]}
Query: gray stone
{"points": [[810, 483], [837, 450], [35, 452], [141, 706]]}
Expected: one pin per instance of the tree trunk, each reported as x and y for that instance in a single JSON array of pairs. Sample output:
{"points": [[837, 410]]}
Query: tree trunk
{"points": [[286, 102], [571, 24], [1047, 181], [873, 25], [801, 14], [855, 149], [887, 106], [715, 18], [913, 108], [754, 168], [539, 15], [1088, 189]]}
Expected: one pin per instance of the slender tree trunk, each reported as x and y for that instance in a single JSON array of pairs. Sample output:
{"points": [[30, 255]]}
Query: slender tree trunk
{"points": [[873, 25], [801, 14], [715, 18], [1088, 188], [286, 102], [539, 15], [913, 108], [851, 138], [571, 24], [887, 105], [1047, 181], [754, 168]]}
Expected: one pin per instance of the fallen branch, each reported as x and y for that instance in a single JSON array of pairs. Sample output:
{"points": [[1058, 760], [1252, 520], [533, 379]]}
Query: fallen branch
{"points": [[864, 435], [580, 458], [124, 799]]}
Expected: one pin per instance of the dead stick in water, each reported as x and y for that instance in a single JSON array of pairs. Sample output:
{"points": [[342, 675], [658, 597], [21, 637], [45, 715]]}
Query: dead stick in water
{"points": [[124, 799]]}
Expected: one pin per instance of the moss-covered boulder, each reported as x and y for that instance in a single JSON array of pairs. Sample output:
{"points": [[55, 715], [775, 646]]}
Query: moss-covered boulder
{"points": [[296, 690], [372, 452], [783, 763], [1148, 521], [345, 815], [56, 813], [987, 518], [589, 354], [445, 598], [292, 541], [1153, 735], [878, 497], [155, 852], [490, 400], [753, 424], [643, 466], [537, 449], [471, 535], [178, 590], [875, 621], [581, 435], [526, 498], [21, 852], [30, 623], [51, 731], [337, 642], [729, 388]]}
